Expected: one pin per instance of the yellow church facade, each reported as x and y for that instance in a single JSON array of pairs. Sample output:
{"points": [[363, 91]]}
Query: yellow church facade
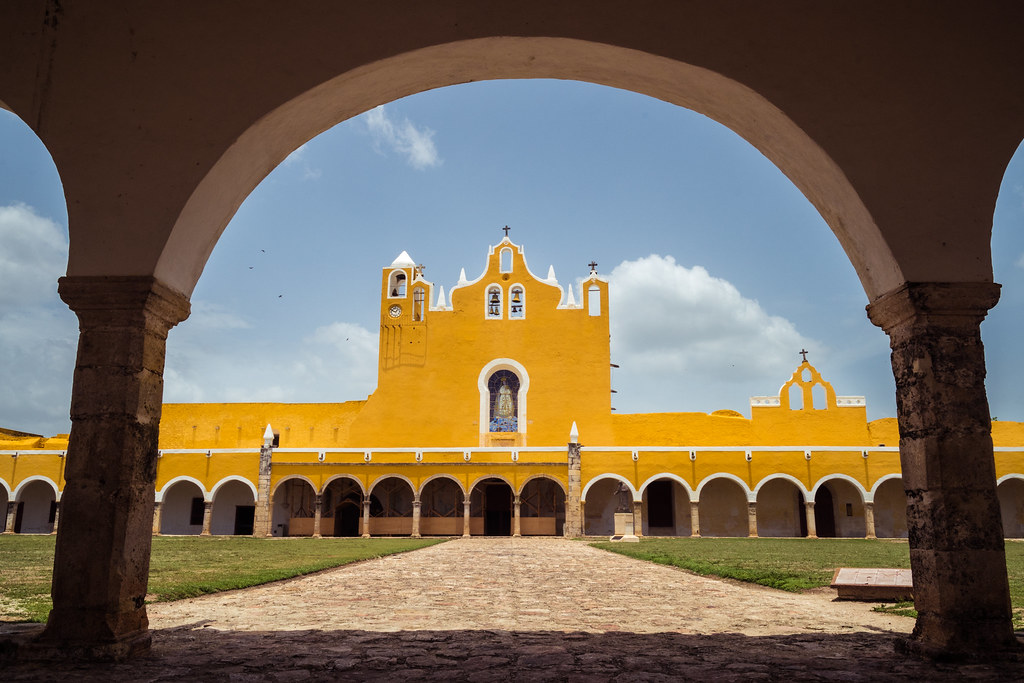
{"points": [[492, 416]]}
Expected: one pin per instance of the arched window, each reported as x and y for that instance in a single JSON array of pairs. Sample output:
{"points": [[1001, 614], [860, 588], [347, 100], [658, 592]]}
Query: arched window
{"points": [[503, 387], [517, 302], [396, 284], [494, 301], [506, 261], [594, 300]]}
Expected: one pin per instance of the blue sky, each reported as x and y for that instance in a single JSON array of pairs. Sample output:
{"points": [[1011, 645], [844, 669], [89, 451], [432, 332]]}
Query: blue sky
{"points": [[721, 271]]}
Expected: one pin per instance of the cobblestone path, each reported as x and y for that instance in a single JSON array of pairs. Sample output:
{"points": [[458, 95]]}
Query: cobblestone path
{"points": [[518, 610]]}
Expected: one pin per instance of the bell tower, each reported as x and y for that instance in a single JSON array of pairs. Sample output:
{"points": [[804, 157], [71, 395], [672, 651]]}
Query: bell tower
{"points": [[404, 301]]}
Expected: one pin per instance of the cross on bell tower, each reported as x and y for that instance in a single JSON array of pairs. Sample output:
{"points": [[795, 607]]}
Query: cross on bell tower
{"points": [[593, 267], [506, 229], [803, 352]]}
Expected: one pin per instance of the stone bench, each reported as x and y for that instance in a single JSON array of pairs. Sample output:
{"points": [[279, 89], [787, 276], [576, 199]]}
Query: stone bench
{"points": [[890, 585]]}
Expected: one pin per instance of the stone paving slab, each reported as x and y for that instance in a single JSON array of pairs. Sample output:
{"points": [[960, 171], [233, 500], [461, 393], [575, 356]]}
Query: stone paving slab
{"points": [[518, 610]]}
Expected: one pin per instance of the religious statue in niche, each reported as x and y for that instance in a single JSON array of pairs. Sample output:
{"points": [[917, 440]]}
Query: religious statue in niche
{"points": [[504, 398]]}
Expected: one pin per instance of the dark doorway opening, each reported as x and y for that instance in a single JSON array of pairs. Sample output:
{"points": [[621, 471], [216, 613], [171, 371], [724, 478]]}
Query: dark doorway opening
{"points": [[801, 513], [346, 519], [245, 518], [660, 504], [824, 515], [497, 509]]}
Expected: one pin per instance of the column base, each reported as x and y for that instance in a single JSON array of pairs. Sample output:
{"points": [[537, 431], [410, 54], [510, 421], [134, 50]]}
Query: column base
{"points": [[909, 645], [40, 648], [365, 536]]}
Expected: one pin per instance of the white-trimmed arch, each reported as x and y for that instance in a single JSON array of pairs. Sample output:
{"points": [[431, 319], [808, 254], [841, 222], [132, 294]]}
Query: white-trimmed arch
{"points": [[289, 477], [184, 477], [690, 493], [1007, 477], [35, 477], [731, 477], [344, 475], [786, 477], [440, 475], [870, 496], [407, 480], [485, 393], [534, 477], [230, 478], [610, 475], [7, 488], [485, 477], [864, 495]]}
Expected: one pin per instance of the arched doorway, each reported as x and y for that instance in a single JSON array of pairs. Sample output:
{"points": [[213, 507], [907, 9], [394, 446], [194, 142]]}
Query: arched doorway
{"points": [[490, 508], [839, 510], [780, 510], [1011, 507], [342, 508], [391, 507], [542, 508], [293, 508], [441, 508], [723, 509], [604, 497], [890, 509], [36, 508], [181, 509], [666, 510], [234, 510]]}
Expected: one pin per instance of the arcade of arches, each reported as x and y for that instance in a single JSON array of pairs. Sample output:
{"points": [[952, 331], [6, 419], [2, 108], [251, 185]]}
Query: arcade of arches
{"points": [[901, 150]]}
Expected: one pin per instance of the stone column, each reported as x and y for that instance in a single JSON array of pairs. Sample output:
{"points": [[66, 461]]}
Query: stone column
{"points": [[415, 518], [366, 517], [638, 518], [869, 520], [56, 517], [516, 525], [207, 515], [465, 517], [957, 556], [752, 520], [583, 518], [156, 518], [12, 513], [264, 517], [318, 512], [101, 562], [695, 519], [573, 526], [812, 528]]}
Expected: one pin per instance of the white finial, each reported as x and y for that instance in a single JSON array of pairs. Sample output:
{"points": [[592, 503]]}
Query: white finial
{"points": [[574, 433], [268, 436], [440, 298], [462, 277], [551, 274], [403, 260], [570, 300]]}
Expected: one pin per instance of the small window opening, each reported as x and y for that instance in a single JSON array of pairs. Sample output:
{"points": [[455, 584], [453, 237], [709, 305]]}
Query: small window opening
{"points": [[277, 440], [506, 261], [849, 509], [516, 302], [417, 304], [594, 300], [494, 302]]}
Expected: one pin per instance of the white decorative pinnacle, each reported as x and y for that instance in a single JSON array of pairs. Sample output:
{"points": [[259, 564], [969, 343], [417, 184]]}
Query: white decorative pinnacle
{"points": [[440, 298], [574, 433], [570, 301], [551, 275], [403, 260], [462, 277], [268, 436]]}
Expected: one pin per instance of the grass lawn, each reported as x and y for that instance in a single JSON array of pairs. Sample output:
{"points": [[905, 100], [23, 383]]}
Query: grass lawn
{"points": [[182, 567], [795, 564]]}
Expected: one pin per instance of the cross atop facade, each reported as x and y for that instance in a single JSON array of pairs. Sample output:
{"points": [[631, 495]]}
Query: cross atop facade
{"points": [[803, 352], [506, 229], [593, 266], [419, 269]]}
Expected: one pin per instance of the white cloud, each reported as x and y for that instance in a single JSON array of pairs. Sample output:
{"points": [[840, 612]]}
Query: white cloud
{"points": [[416, 144], [686, 340], [34, 255], [1020, 261], [298, 159]]}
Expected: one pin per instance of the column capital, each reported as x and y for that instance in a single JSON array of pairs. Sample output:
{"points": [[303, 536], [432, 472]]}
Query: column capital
{"points": [[119, 300], [944, 304]]}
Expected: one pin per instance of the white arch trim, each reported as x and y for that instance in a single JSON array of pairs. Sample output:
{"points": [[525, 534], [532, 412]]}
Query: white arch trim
{"points": [[1007, 477], [534, 477], [608, 475], [674, 477], [485, 394], [434, 477], [490, 476], [163, 492], [289, 478], [335, 477], [881, 480], [407, 480], [731, 477], [787, 477], [36, 477], [6, 487], [231, 478], [865, 497]]}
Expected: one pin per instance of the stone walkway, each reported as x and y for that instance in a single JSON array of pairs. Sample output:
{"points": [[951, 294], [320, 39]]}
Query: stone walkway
{"points": [[518, 610]]}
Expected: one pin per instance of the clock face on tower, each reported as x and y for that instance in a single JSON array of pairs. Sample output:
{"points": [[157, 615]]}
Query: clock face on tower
{"points": [[395, 311]]}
